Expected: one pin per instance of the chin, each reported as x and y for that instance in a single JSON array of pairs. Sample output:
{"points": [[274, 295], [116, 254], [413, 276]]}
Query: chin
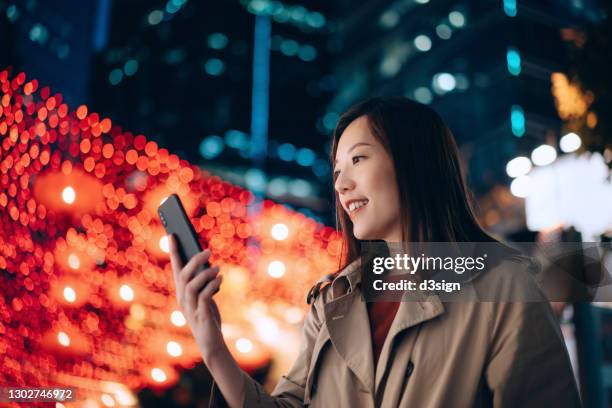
{"points": [[364, 235]]}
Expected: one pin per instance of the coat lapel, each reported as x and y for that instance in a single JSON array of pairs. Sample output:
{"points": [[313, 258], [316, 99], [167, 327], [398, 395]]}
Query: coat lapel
{"points": [[409, 314], [349, 330]]}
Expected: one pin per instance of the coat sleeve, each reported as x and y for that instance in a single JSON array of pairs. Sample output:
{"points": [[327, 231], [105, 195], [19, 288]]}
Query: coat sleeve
{"points": [[528, 363], [289, 392]]}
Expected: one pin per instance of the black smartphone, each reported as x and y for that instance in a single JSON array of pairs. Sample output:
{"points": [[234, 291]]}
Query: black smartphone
{"points": [[174, 219]]}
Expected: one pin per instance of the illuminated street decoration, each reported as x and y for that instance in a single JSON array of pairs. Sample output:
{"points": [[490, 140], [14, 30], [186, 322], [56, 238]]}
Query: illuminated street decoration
{"points": [[87, 290]]}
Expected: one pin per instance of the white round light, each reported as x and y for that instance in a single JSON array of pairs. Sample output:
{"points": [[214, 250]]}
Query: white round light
{"points": [[68, 195], [177, 318], [570, 143], [276, 269], [69, 294], [456, 18], [126, 293], [519, 166], [63, 339], [174, 349], [73, 261], [107, 400], [158, 375], [543, 155], [445, 82], [422, 43], [164, 244], [521, 186], [244, 345], [444, 31], [279, 231]]}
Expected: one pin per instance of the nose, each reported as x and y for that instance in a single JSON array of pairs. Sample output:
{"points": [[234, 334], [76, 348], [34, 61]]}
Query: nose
{"points": [[344, 183]]}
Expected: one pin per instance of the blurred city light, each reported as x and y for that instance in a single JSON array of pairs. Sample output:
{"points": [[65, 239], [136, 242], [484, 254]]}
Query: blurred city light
{"points": [[305, 157], [211, 146], [217, 41], [244, 345], [517, 120], [510, 8], [126, 293], [68, 195], [130, 67], [543, 155], [423, 95], [155, 17], [513, 58], [444, 82], [286, 152], [521, 186], [174, 349], [214, 67], [570, 143], [115, 76], [276, 269], [69, 294], [422, 42], [456, 18], [444, 31], [279, 231], [177, 318], [519, 166]]}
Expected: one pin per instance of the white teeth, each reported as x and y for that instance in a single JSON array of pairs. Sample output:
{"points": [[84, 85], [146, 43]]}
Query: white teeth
{"points": [[357, 204]]}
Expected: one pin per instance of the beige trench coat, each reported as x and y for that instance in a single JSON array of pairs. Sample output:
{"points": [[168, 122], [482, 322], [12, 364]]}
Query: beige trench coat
{"points": [[452, 354]]}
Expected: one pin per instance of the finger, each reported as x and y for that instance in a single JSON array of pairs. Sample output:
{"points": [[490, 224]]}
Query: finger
{"points": [[211, 288], [194, 265], [175, 258], [193, 288]]}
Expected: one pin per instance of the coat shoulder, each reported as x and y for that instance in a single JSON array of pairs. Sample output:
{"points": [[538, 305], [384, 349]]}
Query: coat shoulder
{"points": [[320, 288]]}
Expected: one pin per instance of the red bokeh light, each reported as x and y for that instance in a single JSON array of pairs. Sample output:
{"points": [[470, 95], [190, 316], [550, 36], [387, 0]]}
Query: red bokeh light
{"points": [[78, 201]]}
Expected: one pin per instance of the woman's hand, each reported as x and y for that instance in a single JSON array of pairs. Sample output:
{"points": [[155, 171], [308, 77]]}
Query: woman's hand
{"points": [[195, 288]]}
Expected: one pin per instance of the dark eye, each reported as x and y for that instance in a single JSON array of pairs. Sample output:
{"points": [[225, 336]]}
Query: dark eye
{"points": [[336, 174], [357, 159]]}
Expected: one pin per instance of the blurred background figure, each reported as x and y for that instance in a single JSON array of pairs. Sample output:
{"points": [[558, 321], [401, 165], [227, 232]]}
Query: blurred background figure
{"points": [[251, 90]]}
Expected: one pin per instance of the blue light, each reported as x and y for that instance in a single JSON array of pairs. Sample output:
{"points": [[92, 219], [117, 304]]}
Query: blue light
{"points": [[255, 179], [330, 119], [307, 53], [300, 188], [155, 17], [211, 147], [115, 76], [510, 8], [217, 41], [289, 47], [286, 152], [305, 157], [315, 19], [236, 139], [517, 119], [277, 186], [130, 67], [214, 67], [513, 57], [321, 168]]}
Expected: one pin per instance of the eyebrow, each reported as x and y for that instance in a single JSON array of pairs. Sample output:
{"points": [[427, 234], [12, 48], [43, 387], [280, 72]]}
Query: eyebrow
{"points": [[353, 147]]}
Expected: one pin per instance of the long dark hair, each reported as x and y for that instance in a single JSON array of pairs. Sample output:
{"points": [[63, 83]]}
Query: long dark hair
{"points": [[435, 203]]}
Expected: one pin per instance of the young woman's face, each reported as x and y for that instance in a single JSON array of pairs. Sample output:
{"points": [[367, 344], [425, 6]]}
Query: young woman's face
{"points": [[366, 184]]}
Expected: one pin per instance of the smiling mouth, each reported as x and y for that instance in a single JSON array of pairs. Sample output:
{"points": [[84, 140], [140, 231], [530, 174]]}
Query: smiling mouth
{"points": [[355, 206]]}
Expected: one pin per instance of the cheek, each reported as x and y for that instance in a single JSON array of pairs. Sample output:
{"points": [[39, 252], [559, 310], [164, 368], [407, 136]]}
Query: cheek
{"points": [[383, 188]]}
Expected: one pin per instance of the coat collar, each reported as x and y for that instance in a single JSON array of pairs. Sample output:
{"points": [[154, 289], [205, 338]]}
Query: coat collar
{"points": [[349, 328]]}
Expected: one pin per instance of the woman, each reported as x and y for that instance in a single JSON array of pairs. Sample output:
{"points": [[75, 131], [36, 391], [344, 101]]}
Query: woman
{"points": [[397, 178]]}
